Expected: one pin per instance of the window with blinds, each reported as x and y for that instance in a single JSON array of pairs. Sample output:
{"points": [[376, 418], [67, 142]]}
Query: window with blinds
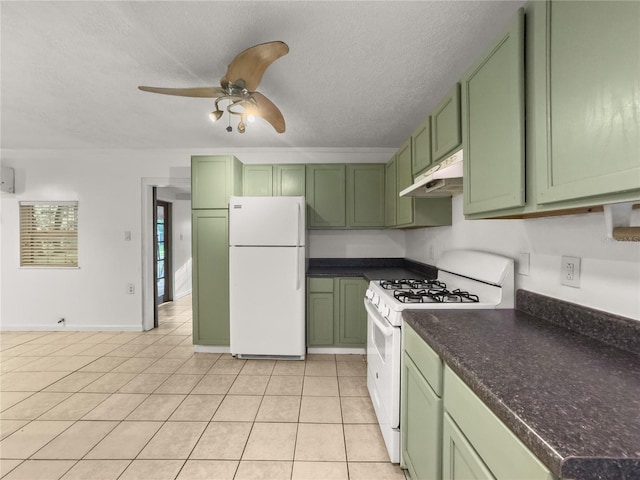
{"points": [[48, 234]]}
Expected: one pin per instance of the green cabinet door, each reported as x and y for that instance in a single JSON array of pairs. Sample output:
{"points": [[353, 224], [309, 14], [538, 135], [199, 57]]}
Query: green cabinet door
{"points": [[420, 424], [390, 193], [493, 125], [365, 195], [459, 460], [210, 298], [404, 178], [587, 100], [213, 180], [421, 145], [446, 129], [352, 329], [320, 312], [326, 195], [257, 180], [289, 180]]}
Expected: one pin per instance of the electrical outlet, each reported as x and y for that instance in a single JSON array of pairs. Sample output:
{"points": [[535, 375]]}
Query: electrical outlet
{"points": [[570, 271], [131, 289]]}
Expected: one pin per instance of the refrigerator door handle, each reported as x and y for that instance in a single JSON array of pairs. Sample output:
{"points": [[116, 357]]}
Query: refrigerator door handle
{"points": [[297, 272]]}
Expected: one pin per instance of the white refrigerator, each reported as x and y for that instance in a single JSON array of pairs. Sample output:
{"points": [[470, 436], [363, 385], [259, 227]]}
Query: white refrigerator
{"points": [[267, 266]]}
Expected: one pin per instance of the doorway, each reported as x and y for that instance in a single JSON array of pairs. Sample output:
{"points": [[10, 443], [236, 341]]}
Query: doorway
{"points": [[177, 192], [162, 252]]}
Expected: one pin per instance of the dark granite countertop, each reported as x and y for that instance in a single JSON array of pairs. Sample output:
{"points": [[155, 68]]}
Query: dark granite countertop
{"points": [[370, 268], [574, 401]]}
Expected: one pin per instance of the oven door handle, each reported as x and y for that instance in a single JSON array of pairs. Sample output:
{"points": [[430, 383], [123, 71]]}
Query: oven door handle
{"points": [[380, 323]]}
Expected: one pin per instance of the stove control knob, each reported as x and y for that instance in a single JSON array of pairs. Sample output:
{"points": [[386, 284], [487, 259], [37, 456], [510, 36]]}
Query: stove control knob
{"points": [[384, 310], [375, 300], [368, 294]]}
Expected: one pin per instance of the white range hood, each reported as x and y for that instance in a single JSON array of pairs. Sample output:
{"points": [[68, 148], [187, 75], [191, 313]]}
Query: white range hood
{"points": [[443, 180]]}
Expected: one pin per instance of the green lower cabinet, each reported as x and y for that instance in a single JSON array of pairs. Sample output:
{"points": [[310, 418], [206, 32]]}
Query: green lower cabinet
{"points": [[336, 316], [492, 442], [289, 180], [320, 319], [210, 298], [459, 460], [420, 424], [352, 320]]}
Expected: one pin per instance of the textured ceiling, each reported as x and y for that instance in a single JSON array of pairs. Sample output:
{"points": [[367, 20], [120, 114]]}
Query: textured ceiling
{"points": [[358, 74]]}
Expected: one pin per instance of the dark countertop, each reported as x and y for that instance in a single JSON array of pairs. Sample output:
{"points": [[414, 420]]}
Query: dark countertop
{"points": [[572, 400], [370, 268]]}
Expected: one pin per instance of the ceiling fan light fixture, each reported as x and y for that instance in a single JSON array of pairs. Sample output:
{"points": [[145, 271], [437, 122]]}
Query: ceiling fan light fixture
{"points": [[251, 118], [215, 115]]}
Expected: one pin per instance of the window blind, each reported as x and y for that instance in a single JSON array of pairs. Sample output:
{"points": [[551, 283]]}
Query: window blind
{"points": [[48, 234]]}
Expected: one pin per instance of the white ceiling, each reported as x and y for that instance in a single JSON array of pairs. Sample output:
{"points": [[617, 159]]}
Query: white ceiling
{"points": [[358, 74]]}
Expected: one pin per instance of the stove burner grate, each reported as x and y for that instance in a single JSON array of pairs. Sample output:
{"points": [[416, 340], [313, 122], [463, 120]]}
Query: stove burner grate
{"points": [[434, 296]]}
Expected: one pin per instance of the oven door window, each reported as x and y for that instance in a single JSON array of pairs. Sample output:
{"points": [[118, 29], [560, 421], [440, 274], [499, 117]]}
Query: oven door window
{"points": [[379, 341]]}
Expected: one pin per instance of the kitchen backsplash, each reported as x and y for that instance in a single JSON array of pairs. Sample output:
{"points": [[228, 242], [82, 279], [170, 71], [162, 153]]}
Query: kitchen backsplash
{"points": [[610, 270]]}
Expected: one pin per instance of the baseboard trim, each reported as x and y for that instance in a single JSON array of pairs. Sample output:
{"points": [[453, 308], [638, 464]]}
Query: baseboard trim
{"points": [[211, 349], [70, 328], [337, 351]]}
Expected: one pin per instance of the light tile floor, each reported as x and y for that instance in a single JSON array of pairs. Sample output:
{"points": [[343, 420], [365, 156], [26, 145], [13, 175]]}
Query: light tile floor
{"points": [[105, 405]]}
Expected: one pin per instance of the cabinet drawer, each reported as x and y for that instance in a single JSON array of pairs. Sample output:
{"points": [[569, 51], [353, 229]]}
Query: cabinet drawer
{"points": [[427, 361], [321, 285], [503, 453]]}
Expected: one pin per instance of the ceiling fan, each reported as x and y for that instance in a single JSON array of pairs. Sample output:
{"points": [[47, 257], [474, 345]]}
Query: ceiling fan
{"points": [[238, 87]]}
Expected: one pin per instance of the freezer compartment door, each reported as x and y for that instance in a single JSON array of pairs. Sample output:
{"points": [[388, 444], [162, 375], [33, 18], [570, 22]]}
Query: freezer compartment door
{"points": [[270, 221], [267, 301]]}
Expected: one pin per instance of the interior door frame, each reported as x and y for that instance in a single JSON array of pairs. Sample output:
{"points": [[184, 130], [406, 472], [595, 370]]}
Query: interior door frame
{"points": [[147, 229], [168, 245]]}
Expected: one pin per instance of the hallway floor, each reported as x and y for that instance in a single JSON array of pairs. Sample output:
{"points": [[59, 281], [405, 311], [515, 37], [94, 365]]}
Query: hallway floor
{"points": [[104, 405]]}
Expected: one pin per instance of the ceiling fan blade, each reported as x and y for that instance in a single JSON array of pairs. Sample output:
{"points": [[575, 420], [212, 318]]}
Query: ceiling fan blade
{"points": [[201, 92], [251, 64], [267, 110]]}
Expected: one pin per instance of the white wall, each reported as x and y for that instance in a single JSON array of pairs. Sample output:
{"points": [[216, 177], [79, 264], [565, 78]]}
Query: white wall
{"points": [[109, 188], [356, 243], [108, 185], [610, 277]]}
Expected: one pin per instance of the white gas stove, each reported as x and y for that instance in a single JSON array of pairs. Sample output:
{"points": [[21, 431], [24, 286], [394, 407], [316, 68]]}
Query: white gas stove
{"points": [[466, 279]]}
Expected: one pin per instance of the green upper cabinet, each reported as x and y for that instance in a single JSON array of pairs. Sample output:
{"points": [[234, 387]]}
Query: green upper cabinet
{"points": [[210, 240], [421, 147], [390, 193], [493, 125], [326, 195], [213, 180], [289, 180], [365, 195], [411, 212], [404, 178], [446, 131], [257, 180], [587, 100]]}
